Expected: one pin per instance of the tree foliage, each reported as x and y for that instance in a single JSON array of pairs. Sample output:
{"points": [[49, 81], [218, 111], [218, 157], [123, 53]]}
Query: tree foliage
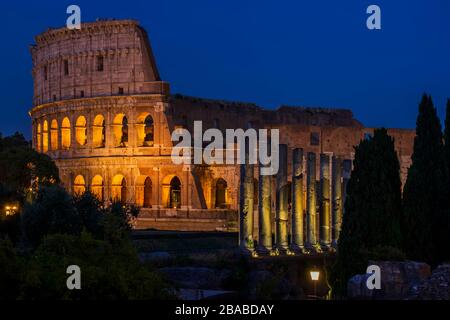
{"points": [[22, 170], [426, 198], [51, 212], [371, 223], [21, 166], [106, 272], [447, 135]]}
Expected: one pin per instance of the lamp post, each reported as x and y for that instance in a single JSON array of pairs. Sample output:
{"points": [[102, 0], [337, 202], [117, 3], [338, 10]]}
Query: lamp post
{"points": [[314, 278], [10, 210]]}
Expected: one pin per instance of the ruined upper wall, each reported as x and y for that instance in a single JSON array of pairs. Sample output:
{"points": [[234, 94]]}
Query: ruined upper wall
{"points": [[104, 58], [225, 114]]}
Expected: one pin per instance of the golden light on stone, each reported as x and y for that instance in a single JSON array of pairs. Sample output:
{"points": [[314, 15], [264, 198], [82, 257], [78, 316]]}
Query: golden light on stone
{"points": [[109, 128], [290, 252]]}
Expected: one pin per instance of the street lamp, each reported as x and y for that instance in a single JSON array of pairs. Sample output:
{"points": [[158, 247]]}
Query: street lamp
{"points": [[314, 278], [10, 210]]}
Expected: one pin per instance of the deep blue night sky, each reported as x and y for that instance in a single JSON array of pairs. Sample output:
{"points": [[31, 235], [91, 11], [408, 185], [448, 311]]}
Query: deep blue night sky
{"points": [[309, 53]]}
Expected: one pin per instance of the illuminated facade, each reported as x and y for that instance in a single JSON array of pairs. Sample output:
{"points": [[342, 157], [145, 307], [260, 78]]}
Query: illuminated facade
{"points": [[102, 112]]}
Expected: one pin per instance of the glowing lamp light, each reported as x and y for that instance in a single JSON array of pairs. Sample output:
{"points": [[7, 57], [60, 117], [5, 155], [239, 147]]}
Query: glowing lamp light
{"points": [[10, 209], [314, 275]]}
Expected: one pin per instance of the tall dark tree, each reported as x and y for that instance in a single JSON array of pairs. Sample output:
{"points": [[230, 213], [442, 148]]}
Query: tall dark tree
{"points": [[426, 195], [371, 223], [447, 160], [447, 134]]}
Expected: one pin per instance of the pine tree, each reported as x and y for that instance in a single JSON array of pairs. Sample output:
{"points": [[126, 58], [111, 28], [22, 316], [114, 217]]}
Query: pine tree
{"points": [[425, 197], [372, 215]]}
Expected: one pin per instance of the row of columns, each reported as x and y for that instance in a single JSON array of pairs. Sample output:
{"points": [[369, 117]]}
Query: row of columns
{"points": [[314, 228]]}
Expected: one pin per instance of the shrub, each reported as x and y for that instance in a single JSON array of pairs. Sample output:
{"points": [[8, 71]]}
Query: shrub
{"points": [[91, 212], [106, 272], [51, 212], [11, 269]]}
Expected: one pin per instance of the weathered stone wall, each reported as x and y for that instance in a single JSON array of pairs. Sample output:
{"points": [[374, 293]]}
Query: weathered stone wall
{"points": [[81, 111], [97, 60]]}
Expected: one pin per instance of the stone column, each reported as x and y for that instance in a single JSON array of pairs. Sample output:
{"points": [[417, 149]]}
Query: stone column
{"points": [[132, 129], [140, 134], [325, 240], [311, 239], [109, 131], [265, 245], [337, 205], [246, 207], [297, 244], [282, 214]]}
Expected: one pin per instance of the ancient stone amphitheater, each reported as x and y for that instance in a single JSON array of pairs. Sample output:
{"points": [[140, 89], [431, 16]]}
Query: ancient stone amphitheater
{"points": [[102, 112]]}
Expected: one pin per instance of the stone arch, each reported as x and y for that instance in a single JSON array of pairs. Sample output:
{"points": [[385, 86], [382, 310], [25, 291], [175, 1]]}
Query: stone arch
{"points": [[65, 133], [144, 191], [81, 130], [97, 187], [171, 192], [99, 132], [221, 197], [79, 185], [145, 130], [120, 129], [45, 136], [39, 138], [54, 135], [119, 188]]}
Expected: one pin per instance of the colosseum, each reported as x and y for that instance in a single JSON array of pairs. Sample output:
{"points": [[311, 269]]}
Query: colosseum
{"points": [[103, 113]]}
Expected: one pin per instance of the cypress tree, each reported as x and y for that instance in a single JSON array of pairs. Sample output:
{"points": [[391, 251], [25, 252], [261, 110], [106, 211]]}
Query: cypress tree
{"points": [[372, 217], [447, 134], [447, 160], [425, 197]]}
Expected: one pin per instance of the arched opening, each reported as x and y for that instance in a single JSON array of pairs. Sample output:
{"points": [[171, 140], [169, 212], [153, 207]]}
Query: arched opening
{"points": [[145, 130], [175, 193], [147, 193], [79, 185], [119, 189], [120, 128], [148, 131], [45, 137], [171, 191], [65, 133], [99, 132], [39, 138], [221, 194], [81, 131], [97, 187], [54, 135], [143, 191]]}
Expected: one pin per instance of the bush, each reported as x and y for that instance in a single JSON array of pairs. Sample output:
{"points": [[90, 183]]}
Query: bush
{"points": [[51, 212], [385, 253], [106, 272], [11, 269], [10, 227], [117, 222], [91, 212]]}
